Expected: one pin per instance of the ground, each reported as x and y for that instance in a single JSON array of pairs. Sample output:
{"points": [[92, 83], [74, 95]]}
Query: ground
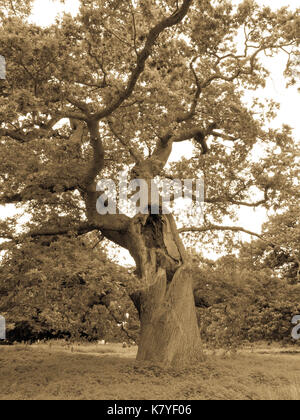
{"points": [[78, 372]]}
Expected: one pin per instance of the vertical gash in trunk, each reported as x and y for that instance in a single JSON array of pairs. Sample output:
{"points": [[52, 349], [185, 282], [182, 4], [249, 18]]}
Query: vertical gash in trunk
{"points": [[169, 329]]}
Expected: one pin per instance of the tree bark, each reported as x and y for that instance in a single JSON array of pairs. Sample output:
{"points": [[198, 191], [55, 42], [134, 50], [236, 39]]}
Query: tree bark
{"points": [[165, 301], [166, 306]]}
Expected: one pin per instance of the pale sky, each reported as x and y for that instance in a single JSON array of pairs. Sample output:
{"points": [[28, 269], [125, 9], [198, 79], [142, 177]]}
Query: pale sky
{"points": [[45, 12]]}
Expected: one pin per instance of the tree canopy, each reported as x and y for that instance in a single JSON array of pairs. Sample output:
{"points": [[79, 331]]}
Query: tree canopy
{"points": [[152, 73]]}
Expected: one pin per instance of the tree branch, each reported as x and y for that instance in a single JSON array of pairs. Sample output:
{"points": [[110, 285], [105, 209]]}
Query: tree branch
{"points": [[219, 228], [23, 197], [82, 106], [237, 202], [133, 151], [20, 136], [143, 56], [224, 136], [115, 223], [198, 91]]}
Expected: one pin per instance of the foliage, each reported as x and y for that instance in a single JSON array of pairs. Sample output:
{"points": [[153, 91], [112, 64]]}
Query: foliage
{"points": [[283, 230], [64, 288], [237, 303], [147, 79]]}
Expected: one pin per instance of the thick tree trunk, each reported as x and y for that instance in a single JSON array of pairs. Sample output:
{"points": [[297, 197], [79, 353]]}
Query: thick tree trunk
{"points": [[169, 329]]}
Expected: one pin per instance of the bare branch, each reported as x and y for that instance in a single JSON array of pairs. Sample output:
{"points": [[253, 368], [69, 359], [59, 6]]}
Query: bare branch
{"points": [[219, 228]]}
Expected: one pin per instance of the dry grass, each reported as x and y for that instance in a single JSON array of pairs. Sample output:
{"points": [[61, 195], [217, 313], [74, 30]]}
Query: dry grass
{"points": [[83, 372]]}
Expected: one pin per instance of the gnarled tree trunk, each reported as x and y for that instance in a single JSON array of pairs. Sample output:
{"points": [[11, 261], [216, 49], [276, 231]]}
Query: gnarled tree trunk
{"points": [[169, 329]]}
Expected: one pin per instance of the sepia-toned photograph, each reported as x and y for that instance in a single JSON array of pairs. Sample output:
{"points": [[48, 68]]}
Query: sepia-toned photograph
{"points": [[149, 202]]}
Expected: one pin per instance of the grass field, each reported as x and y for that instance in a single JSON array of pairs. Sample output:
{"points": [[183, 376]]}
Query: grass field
{"points": [[78, 372]]}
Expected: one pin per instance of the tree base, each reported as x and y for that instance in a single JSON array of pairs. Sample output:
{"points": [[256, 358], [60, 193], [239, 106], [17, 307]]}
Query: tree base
{"points": [[169, 329]]}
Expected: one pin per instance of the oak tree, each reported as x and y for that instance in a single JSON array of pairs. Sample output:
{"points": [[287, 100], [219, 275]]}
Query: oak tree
{"points": [[115, 88]]}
